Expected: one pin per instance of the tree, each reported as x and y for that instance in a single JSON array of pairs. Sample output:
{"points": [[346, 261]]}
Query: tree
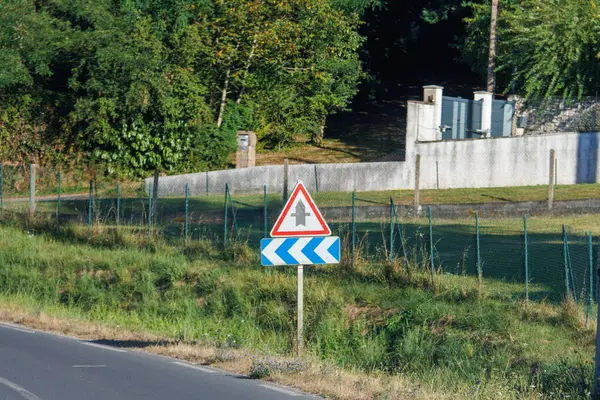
{"points": [[134, 86], [31, 43], [491, 73], [545, 48]]}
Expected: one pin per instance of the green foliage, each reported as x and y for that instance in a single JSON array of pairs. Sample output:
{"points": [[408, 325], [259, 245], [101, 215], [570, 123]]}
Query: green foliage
{"points": [[545, 48], [138, 86]]}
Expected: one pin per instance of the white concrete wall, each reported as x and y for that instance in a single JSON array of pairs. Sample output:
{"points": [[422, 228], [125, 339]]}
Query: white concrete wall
{"points": [[330, 177], [509, 161]]}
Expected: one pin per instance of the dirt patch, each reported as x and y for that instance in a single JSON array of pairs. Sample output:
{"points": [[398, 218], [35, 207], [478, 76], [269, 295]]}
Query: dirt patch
{"points": [[374, 314]]}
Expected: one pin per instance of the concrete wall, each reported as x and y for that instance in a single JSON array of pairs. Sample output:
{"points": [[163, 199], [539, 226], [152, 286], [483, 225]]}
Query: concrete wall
{"points": [[509, 161], [328, 177]]}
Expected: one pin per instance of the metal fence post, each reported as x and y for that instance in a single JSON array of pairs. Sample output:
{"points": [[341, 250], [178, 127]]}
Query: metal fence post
{"points": [[431, 246], [353, 228], [391, 230], [233, 215], [265, 211], [316, 180], [225, 215], [91, 200], [186, 224], [154, 208], [591, 289], [479, 271], [1, 190], [118, 203], [551, 180], [150, 214], [32, 181], [58, 200], [285, 180], [526, 260], [402, 243], [565, 256]]}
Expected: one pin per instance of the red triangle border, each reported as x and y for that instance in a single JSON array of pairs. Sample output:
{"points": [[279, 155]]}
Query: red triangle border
{"points": [[326, 231]]}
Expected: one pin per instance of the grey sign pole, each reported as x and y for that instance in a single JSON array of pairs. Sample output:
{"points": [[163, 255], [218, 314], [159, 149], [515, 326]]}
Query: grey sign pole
{"points": [[300, 310]]}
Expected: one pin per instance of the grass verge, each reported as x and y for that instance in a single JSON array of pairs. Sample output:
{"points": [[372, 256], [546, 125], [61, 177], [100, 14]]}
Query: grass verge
{"points": [[372, 330]]}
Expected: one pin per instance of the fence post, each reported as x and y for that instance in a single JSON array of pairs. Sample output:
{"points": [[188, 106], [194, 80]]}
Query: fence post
{"points": [[91, 200], [187, 218], [150, 193], [402, 243], [565, 256], [437, 175], [417, 182], [32, 180], [207, 183], [1, 190], [591, 290], [155, 194], [479, 271], [225, 215], [233, 215], [391, 230], [431, 246], [118, 203], [526, 242], [285, 180], [316, 180], [265, 220], [58, 200], [551, 180], [353, 228], [597, 358]]}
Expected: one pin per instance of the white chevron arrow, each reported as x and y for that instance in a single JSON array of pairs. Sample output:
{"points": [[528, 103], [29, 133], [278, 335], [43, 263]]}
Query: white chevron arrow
{"points": [[296, 250], [269, 252], [322, 252]]}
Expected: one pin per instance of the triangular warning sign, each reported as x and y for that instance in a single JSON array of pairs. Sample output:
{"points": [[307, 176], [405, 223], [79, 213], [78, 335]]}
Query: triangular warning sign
{"points": [[300, 217]]}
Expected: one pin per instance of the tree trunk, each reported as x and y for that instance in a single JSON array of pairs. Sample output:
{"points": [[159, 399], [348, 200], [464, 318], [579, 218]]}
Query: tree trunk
{"points": [[491, 80], [223, 98], [248, 63]]}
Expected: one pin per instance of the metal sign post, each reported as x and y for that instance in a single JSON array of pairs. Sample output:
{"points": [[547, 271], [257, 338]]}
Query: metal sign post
{"points": [[300, 237], [300, 310]]}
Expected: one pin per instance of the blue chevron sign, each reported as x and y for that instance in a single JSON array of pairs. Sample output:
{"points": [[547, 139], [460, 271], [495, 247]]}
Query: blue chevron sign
{"points": [[300, 251]]}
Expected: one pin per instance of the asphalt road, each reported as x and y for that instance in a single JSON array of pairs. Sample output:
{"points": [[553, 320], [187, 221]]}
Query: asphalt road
{"points": [[41, 366]]}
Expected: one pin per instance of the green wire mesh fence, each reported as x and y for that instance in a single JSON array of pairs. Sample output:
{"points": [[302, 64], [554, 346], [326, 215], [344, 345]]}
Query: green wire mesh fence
{"points": [[548, 260]]}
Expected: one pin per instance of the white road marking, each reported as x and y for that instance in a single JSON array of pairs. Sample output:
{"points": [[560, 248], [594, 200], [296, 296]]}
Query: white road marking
{"points": [[26, 394], [100, 346], [16, 328], [210, 371], [281, 390], [89, 366]]}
